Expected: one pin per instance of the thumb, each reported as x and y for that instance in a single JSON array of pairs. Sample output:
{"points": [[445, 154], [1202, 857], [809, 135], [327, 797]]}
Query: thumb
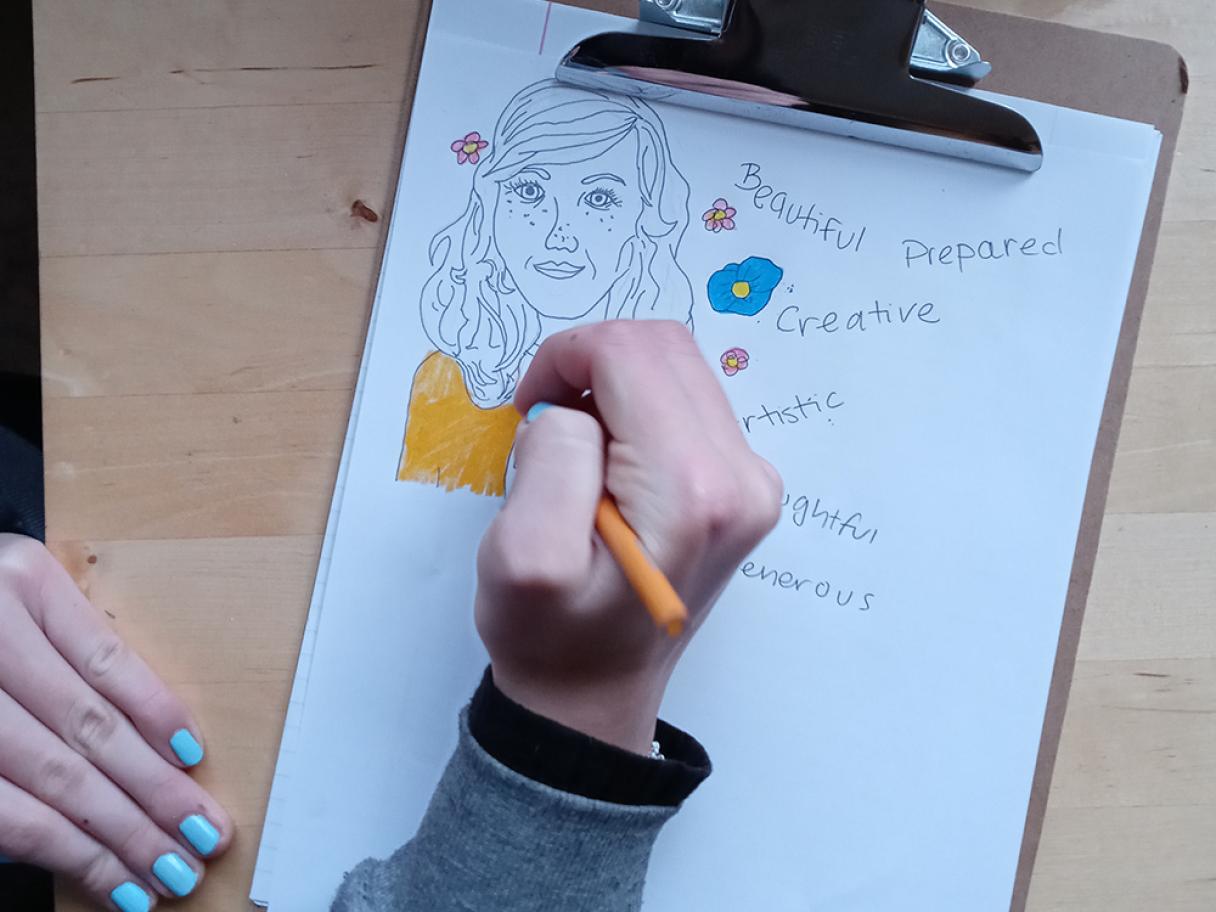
{"points": [[545, 531]]}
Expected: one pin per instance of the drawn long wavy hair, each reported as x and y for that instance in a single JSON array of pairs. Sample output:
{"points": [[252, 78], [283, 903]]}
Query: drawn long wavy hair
{"points": [[471, 308]]}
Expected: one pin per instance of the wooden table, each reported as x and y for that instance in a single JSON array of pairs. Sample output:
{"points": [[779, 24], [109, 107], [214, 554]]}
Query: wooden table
{"points": [[206, 288]]}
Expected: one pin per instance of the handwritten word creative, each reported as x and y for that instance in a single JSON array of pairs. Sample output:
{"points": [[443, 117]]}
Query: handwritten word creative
{"points": [[961, 255], [801, 216], [792, 319]]}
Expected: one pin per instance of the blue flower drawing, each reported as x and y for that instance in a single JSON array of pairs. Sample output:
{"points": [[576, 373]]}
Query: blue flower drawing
{"points": [[744, 288]]}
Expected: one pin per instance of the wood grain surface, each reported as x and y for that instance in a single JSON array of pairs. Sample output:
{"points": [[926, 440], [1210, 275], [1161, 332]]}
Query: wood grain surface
{"points": [[205, 292]]}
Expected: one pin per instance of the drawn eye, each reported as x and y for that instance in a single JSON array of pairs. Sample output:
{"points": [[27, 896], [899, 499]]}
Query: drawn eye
{"points": [[527, 191], [601, 198]]}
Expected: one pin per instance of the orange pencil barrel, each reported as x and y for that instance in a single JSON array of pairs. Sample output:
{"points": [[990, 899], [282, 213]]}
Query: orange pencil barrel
{"points": [[647, 580]]}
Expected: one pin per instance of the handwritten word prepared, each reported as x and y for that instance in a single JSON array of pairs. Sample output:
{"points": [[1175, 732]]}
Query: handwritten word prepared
{"points": [[961, 255]]}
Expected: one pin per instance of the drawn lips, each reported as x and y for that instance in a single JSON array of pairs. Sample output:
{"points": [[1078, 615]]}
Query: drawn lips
{"points": [[553, 270]]}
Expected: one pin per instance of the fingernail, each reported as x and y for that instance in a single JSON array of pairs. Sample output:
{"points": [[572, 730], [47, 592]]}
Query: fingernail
{"points": [[200, 833], [535, 411], [177, 876], [188, 751], [131, 898]]}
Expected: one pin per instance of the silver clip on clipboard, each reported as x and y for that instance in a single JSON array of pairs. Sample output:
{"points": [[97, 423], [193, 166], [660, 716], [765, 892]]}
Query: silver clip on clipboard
{"points": [[885, 71]]}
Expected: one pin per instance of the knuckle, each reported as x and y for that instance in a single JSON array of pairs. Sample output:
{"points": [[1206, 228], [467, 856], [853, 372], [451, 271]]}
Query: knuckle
{"points": [[28, 837], [90, 727], [514, 563], [140, 834], [765, 498], [711, 501], [24, 562], [95, 874], [106, 656], [59, 779]]}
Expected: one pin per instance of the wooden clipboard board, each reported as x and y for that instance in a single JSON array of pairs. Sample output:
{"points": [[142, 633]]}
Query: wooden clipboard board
{"points": [[1133, 79], [1129, 78]]}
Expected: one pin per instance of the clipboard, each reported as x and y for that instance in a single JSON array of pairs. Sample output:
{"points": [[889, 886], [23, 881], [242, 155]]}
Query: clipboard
{"points": [[1117, 76], [1123, 77]]}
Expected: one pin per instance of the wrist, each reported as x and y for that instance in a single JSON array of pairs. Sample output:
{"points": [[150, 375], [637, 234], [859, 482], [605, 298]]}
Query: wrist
{"points": [[621, 711]]}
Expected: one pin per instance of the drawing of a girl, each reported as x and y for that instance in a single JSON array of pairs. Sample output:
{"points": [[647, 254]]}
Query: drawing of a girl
{"points": [[576, 215]]}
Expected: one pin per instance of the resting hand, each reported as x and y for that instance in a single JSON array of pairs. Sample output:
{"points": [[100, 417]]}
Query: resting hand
{"points": [[93, 748], [566, 635]]}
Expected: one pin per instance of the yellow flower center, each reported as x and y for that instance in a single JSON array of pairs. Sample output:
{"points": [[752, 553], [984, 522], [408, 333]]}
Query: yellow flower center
{"points": [[732, 360], [741, 289], [470, 148], [719, 215]]}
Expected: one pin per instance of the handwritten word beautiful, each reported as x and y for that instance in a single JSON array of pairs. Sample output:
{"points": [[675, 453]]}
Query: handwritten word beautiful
{"points": [[828, 229], [804, 511], [790, 319], [792, 582], [801, 410], [918, 253]]}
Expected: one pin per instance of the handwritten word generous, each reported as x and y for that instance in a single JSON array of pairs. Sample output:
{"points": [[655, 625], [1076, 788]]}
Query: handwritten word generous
{"points": [[802, 409], [828, 229], [792, 582], [791, 319], [804, 511], [918, 253]]}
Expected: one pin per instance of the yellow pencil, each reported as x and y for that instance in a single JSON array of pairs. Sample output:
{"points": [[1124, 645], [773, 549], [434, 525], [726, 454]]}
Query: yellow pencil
{"points": [[648, 581]]}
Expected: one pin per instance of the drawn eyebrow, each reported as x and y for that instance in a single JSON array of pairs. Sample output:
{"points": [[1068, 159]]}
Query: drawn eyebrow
{"points": [[605, 176], [539, 172]]}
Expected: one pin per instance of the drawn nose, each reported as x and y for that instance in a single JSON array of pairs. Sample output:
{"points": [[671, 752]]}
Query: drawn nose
{"points": [[561, 236]]}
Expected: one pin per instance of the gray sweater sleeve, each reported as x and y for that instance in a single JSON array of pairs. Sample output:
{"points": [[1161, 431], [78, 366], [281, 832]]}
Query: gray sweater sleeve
{"points": [[495, 841]]}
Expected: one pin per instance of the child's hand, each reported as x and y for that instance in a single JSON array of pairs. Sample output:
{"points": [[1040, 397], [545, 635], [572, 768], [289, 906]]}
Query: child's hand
{"points": [[93, 747], [567, 637]]}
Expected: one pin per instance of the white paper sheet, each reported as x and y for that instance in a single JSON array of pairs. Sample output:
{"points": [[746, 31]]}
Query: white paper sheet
{"points": [[872, 686]]}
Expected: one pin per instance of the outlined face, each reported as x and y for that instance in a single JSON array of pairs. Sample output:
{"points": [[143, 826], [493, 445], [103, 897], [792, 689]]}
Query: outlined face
{"points": [[560, 228]]}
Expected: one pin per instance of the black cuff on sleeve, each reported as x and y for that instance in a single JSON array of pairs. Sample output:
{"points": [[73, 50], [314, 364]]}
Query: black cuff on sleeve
{"points": [[562, 758]]}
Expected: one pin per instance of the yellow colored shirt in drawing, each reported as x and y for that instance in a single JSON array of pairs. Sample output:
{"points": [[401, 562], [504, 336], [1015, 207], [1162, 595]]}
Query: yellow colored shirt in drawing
{"points": [[449, 440]]}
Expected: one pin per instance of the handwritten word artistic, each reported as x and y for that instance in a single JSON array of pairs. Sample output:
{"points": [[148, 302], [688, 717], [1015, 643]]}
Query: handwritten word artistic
{"points": [[805, 217], [806, 513], [792, 319], [802, 409], [959, 255], [826, 590]]}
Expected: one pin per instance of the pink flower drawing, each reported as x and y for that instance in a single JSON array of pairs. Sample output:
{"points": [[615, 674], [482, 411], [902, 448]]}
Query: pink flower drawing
{"points": [[469, 148], [720, 218], [733, 361]]}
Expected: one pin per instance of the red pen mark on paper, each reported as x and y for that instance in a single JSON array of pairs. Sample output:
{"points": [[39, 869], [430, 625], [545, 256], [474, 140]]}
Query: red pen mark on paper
{"points": [[545, 30]]}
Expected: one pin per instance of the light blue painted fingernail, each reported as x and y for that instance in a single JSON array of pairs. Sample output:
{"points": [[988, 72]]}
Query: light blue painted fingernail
{"points": [[535, 411], [177, 876], [131, 898], [188, 751], [200, 833]]}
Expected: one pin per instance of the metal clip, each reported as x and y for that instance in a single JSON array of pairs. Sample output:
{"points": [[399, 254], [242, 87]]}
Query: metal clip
{"points": [[938, 53], [879, 70]]}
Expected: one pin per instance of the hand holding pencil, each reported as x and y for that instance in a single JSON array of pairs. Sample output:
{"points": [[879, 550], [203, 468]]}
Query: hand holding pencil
{"points": [[621, 528]]}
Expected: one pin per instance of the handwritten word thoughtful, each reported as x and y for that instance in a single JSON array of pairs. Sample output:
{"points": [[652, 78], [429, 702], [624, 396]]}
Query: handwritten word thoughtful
{"points": [[781, 579], [828, 229], [804, 511], [802, 409], [792, 319], [918, 253]]}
